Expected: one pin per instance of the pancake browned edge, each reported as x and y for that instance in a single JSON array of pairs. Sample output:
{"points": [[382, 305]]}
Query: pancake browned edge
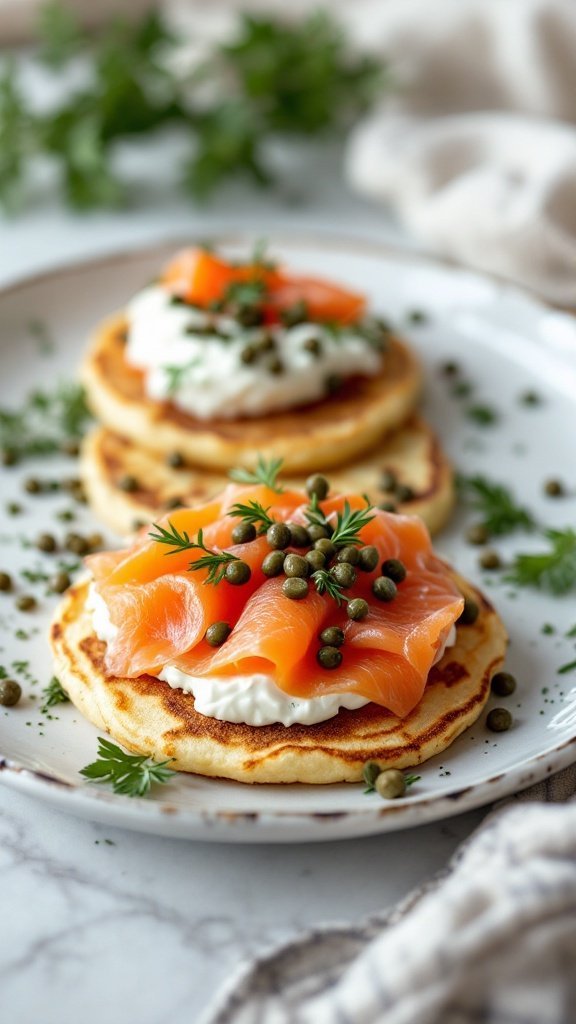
{"points": [[412, 454], [147, 716], [314, 437]]}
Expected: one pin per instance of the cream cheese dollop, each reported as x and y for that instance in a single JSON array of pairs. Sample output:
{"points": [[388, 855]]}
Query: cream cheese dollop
{"points": [[197, 360]]}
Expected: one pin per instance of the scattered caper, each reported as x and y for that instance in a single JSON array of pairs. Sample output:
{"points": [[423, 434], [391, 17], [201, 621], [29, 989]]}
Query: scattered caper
{"points": [[469, 613], [299, 536], [276, 366], [503, 684], [5, 582], [405, 493], [325, 545], [95, 541], [333, 383], [237, 573], [349, 554], [71, 483], [243, 533], [384, 588], [33, 486], [46, 542], [370, 773], [26, 603], [390, 784], [265, 343], [175, 460], [530, 398], [249, 316], [128, 483], [313, 346], [450, 368], [10, 692], [217, 633], [357, 609], [477, 534], [316, 532], [9, 457], [490, 560], [315, 559], [59, 582], [278, 535], [388, 480], [248, 354], [368, 558], [13, 508], [174, 502], [295, 565], [329, 657], [273, 563], [76, 543], [499, 720], [554, 488], [65, 515], [344, 574], [394, 569], [317, 485], [70, 447], [295, 314], [332, 635], [295, 588], [387, 506]]}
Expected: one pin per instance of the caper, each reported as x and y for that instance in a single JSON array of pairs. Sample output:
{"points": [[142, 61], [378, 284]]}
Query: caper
{"points": [[46, 542], [387, 506], [357, 609], [315, 532], [26, 603], [128, 483], [388, 480], [9, 457], [477, 534], [344, 574], [469, 613], [278, 535], [175, 460], [315, 559], [71, 483], [295, 588], [273, 563], [59, 582], [276, 366], [313, 346], [249, 316], [299, 536], [370, 773], [76, 543], [248, 354], [368, 558], [325, 545], [394, 569], [329, 657], [95, 541], [33, 486], [390, 784], [450, 368], [333, 383], [332, 635], [10, 692], [503, 684], [349, 554], [499, 720], [418, 316], [70, 447], [5, 582], [295, 565], [490, 560], [243, 533], [317, 486], [217, 633], [79, 495], [530, 398], [238, 572], [66, 515], [404, 492], [384, 588], [265, 342], [554, 488], [13, 508], [174, 502], [295, 314]]}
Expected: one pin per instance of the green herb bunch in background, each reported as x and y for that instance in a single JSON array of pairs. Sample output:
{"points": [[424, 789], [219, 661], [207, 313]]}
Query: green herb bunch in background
{"points": [[272, 79]]}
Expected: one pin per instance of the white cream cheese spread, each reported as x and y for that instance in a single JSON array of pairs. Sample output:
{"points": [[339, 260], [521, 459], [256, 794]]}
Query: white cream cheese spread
{"points": [[210, 366]]}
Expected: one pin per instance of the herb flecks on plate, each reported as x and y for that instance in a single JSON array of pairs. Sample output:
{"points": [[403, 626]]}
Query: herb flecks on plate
{"points": [[499, 513], [129, 774], [554, 570], [54, 694], [44, 423]]}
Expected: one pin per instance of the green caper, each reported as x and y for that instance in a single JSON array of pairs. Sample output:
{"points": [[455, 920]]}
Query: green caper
{"points": [[76, 543], [71, 483], [9, 457], [59, 582], [317, 486], [299, 536], [95, 541], [79, 495], [329, 657], [333, 383], [477, 534], [217, 633], [325, 545], [315, 532], [295, 314], [370, 773], [469, 613], [499, 720], [390, 784], [238, 572], [278, 535], [46, 542], [175, 460], [332, 635], [384, 588], [265, 342], [295, 588], [503, 684], [349, 554], [33, 486], [315, 559], [174, 502], [295, 565], [404, 492], [313, 346], [344, 574], [243, 533], [26, 603], [450, 368], [387, 506], [554, 488], [65, 515], [276, 366], [249, 316], [5, 582], [273, 563], [248, 354], [394, 569], [357, 609], [13, 508], [368, 558], [128, 483], [70, 447], [10, 692], [388, 480], [490, 560]]}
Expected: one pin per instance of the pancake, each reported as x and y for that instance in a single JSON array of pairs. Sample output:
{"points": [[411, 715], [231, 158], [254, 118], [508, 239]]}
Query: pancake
{"points": [[147, 716], [317, 436], [412, 454]]}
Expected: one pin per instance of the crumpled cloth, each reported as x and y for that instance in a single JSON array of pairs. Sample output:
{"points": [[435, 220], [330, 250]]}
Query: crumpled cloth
{"points": [[490, 941]]}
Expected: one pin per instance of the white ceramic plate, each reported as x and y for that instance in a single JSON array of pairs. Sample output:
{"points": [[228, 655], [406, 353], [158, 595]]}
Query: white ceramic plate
{"points": [[506, 343]]}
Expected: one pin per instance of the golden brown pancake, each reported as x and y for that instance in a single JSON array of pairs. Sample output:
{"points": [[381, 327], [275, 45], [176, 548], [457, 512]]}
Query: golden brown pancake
{"points": [[323, 434], [147, 716], [412, 454]]}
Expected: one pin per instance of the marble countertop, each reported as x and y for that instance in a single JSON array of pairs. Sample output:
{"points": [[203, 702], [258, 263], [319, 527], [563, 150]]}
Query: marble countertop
{"points": [[103, 924]]}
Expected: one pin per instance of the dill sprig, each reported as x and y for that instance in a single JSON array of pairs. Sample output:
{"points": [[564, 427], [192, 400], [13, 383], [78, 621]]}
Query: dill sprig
{"points": [[54, 694], [496, 505], [178, 541], [553, 570], [266, 472], [314, 514], [349, 523], [214, 561], [130, 774], [326, 584], [253, 513]]}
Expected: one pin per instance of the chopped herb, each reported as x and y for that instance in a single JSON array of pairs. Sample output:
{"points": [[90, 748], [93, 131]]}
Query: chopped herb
{"points": [[266, 472], [130, 774], [495, 503], [482, 415], [553, 570], [54, 694], [548, 629], [253, 513], [176, 374], [571, 632], [349, 523], [569, 667], [45, 422], [463, 389]]}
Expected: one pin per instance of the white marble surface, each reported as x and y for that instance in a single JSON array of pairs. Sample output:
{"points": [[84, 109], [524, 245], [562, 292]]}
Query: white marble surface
{"points": [[104, 925]]}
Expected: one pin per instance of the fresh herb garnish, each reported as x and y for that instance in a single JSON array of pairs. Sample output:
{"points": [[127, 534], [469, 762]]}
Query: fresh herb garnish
{"points": [[45, 422], [54, 694], [569, 667], [178, 541], [130, 774], [553, 570], [326, 584], [176, 374], [253, 513], [349, 523], [482, 415], [498, 510], [214, 561], [42, 336], [314, 514], [266, 472]]}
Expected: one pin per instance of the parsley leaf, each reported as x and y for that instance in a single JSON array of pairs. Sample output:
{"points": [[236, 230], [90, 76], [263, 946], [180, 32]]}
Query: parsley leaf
{"points": [[130, 774], [496, 505], [553, 570]]}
